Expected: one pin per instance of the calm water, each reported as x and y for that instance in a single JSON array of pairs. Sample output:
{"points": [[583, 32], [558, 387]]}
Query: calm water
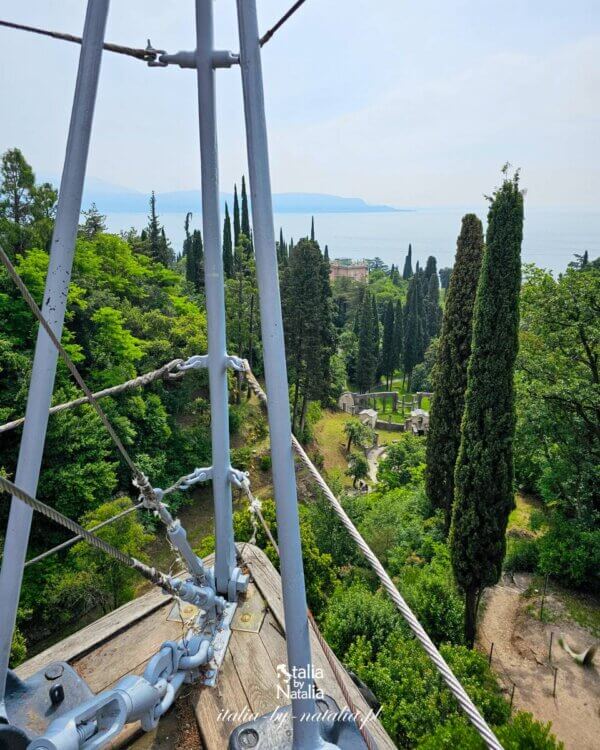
{"points": [[551, 236]]}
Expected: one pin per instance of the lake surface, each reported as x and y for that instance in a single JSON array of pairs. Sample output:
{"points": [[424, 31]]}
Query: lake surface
{"points": [[551, 236]]}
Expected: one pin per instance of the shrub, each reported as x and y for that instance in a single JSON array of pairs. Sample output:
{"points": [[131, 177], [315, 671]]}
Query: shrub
{"points": [[356, 612], [522, 556], [402, 456], [241, 458], [571, 552], [265, 462], [415, 701], [522, 732]]}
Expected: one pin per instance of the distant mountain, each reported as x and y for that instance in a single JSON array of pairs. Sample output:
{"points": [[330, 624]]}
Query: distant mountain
{"points": [[114, 199]]}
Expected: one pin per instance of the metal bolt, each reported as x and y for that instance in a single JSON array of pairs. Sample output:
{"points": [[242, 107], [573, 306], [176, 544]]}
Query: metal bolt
{"points": [[54, 671], [249, 738]]}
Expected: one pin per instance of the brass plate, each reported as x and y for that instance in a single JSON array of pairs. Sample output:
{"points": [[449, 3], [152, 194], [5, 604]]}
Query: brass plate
{"points": [[251, 611]]}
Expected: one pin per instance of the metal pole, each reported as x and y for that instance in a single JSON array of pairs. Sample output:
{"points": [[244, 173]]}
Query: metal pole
{"points": [[215, 297], [306, 733], [55, 302]]}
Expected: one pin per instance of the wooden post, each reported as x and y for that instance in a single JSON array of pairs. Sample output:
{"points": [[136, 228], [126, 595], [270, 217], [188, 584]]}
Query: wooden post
{"points": [[550, 649], [543, 597], [512, 696], [554, 686], [491, 652]]}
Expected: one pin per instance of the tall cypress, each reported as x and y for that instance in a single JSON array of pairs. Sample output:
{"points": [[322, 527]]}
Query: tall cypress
{"points": [[388, 358], [245, 213], [227, 245], [450, 370], [433, 311], [375, 339], [398, 334], [188, 238], [408, 272], [367, 360], [312, 228], [197, 260], [484, 492], [413, 348], [236, 217], [430, 267]]}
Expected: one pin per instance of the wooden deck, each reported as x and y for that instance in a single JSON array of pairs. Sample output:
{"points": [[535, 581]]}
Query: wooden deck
{"points": [[122, 642]]}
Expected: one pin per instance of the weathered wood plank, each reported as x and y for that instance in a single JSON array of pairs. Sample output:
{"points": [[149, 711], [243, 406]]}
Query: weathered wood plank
{"points": [[268, 581], [222, 708]]}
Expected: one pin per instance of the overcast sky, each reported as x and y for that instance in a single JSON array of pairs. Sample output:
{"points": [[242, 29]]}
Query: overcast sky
{"points": [[407, 103]]}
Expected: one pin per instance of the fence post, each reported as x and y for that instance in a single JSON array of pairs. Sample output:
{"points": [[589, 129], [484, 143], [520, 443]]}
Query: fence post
{"points": [[491, 652], [550, 649], [543, 597], [554, 686], [55, 302]]}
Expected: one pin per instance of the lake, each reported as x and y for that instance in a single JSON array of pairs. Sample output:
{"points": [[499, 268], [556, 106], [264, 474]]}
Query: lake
{"points": [[551, 236]]}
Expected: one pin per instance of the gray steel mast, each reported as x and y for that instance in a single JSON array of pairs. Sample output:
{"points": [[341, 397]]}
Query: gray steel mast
{"points": [[55, 301]]}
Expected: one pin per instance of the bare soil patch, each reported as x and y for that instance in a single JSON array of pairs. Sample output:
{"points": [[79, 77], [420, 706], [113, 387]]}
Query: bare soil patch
{"points": [[520, 657]]}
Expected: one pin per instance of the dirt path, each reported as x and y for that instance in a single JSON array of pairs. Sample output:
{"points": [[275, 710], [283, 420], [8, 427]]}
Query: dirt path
{"points": [[520, 656], [373, 457]]}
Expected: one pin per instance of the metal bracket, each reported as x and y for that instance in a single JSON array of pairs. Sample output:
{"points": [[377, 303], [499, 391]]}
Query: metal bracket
{"points": [[221, 58], [200, 361], [238, 478], [203, 474]]}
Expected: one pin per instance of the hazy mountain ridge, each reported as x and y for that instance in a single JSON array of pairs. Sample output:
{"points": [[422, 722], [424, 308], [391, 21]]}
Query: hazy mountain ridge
{"points": [[114, 199]]}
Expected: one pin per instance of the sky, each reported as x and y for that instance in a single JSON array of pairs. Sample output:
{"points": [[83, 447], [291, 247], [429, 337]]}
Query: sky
{"points": [[397, 102]]}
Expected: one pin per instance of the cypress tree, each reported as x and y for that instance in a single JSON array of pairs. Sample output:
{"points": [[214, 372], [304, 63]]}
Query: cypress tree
{"points": [[450, 370], [433, 311], [484, 492], [188, 239], [408, 272], [197, 257], [367, 360], [227, 245], [413, 348], [326, 254], [376, 337], [430, 268], [312, 228], [398, 334], [388, 358], [236, 217], [445, 277], [245, 213]]}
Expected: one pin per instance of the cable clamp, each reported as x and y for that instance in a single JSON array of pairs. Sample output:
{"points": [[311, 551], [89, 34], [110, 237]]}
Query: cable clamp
{"points": [[196, 362], [236, 363], [240, 479], [203, 474]]}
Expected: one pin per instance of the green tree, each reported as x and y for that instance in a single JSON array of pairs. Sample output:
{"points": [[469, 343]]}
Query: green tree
{"points": [[358, 467], [433, 311], [194, 261], [115, 582], [159, 247], [414, 336], [398, 335], [445, 274], [17, 186], [358, 434], [236, 217], [388, 348], [484, 494], [308, 325], [245, 212], [401, 459], [430, 268], [450, 371], [366, 365], [408, 271], [94, 223], [227, 245]]}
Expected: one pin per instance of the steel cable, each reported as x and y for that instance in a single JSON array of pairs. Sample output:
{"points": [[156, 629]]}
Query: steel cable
{"points": [[151, 574], [141, 54], [140, 380], [285, 17]]}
